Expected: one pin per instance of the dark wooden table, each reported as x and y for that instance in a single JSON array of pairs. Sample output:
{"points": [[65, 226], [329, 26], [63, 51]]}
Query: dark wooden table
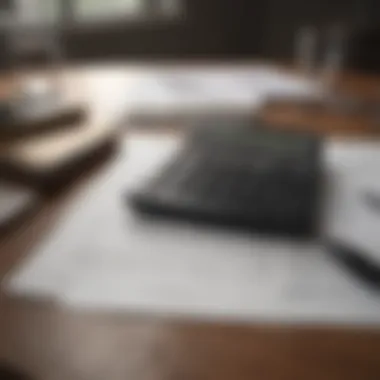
{"points": [[54, 344]]}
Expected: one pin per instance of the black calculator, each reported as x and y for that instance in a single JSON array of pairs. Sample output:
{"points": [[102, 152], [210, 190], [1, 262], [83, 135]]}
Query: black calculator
{"points": [[242, 175]]}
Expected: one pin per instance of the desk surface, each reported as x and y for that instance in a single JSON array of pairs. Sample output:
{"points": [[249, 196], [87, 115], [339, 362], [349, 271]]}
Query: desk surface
{"points": [[53, 344]]}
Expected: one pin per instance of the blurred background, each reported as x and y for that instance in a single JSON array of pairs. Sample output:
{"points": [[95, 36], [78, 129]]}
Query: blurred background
{"points": [[183, 29]]}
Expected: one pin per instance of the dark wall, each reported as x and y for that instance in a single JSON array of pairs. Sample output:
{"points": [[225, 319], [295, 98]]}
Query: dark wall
{"points": [[217, 29], [284, 18], [207, 29], [221, 28]]}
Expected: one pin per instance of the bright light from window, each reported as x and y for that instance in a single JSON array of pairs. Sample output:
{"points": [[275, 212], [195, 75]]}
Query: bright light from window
{"points": [[37, 11], [95, 9], [108, 9]]}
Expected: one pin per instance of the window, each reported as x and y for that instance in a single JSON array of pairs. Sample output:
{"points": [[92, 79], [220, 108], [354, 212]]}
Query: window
{"points": [[92, 10], [103, 9], [35, 11]]}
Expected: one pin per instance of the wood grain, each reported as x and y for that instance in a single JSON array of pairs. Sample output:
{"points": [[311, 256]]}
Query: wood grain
{"points": [[329, 120], [54, 344], [324, 122]]}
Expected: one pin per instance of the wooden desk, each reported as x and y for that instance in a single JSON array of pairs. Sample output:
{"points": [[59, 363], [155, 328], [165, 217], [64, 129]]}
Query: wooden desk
{"points": [[52, 344]]}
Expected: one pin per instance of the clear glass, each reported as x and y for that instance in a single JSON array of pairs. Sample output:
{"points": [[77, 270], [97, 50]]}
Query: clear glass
{"points": [[332, 66], [35, 30], [306, 41], [334, 54]]}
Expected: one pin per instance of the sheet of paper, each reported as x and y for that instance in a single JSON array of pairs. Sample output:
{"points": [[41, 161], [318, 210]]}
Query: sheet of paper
{"points": [[104, 257], [355, 170], [200, 89]]}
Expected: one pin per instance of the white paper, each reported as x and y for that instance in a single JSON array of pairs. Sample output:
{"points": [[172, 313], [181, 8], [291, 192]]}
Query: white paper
{"points": [[354, 167], [104, 257], [173, 91]]}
